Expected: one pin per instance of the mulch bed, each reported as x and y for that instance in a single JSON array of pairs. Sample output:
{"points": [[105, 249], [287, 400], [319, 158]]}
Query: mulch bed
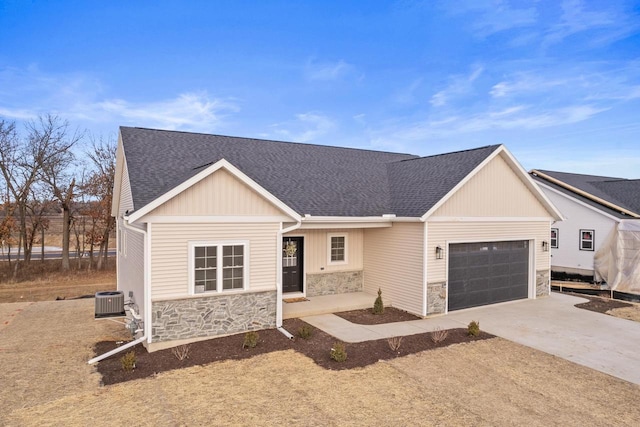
{"points": [[600, 304], [317, 347], [366, 316]]}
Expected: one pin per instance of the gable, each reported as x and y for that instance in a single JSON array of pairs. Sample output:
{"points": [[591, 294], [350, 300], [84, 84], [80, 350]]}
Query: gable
{"points": [[219, 194], [496, 190]]}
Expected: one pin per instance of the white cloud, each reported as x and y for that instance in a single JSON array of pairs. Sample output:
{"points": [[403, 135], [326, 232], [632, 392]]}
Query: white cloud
{"points": [[305, 128], [27, 93], [459, 85], [328, 71], [606, 24], [188, 111], [525, 83]]}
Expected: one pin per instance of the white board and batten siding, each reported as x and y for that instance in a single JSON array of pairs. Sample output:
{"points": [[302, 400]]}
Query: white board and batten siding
{"points": [[568, 256], [219, 208], [393, 262], [316, 251]]}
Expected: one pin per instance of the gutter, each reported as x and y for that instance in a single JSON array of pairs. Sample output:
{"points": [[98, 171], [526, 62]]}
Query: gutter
{"points": [[281, 232], [582, 193], [125, 224]]}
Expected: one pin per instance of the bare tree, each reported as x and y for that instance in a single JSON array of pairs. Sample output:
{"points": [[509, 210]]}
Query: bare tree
{"points": [[50, 135], [99, 188], [19, 164]]}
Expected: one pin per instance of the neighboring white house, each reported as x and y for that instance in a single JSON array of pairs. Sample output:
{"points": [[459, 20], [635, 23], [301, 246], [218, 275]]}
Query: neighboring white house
{"points": [[215, 231], [592, 206]]}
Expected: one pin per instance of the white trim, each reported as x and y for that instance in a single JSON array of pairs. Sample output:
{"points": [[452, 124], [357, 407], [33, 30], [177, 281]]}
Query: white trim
{"points": [[581, 203], [117, 182], [183, 219], [281, 231], [346, 226], [304, 264], [220, 164], [488, 219], [346, 248], [220, 244], [347, 219], [592, 240], [532, 241], [425, 291], [557, 246], [527, 180], [146, 233]]}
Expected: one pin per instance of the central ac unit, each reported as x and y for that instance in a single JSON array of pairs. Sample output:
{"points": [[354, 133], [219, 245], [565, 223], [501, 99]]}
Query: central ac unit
{"points": [[109, 304]]}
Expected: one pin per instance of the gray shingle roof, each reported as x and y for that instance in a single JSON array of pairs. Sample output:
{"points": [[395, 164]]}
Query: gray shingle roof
{"points": [[311, 179], [619, 191]]}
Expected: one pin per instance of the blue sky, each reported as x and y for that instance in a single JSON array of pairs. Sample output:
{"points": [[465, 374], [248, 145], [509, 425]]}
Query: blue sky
{"points": [[557, 82]]}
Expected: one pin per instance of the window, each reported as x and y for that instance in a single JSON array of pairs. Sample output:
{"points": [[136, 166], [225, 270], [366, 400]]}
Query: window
{"points": [[554, 238], [337, 248], [586, 240], [219, 267]]}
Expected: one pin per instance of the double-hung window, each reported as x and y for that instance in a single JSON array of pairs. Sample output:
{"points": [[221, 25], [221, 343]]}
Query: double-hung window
{"points": [[554, 238], [219, 267], [337, 245], [586, 240]]}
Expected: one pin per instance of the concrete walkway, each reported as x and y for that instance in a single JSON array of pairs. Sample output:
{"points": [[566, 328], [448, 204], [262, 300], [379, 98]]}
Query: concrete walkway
{"points": [[553, 325]]}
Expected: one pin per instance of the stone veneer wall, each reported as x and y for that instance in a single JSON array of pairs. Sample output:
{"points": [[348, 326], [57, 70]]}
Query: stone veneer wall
{"points": [[334, 283], [436, 297], [542, 283], [212, 315]]}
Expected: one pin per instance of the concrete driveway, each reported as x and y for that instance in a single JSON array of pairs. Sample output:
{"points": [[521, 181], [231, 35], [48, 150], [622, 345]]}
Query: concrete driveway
{"points": [[552, 324]]}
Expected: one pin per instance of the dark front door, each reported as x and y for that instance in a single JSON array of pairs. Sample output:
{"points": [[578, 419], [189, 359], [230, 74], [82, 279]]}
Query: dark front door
{"points": [[292, 264], [487, 273]]}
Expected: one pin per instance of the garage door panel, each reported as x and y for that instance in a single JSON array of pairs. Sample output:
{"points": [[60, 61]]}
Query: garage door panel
{"points": [[487, 273]]}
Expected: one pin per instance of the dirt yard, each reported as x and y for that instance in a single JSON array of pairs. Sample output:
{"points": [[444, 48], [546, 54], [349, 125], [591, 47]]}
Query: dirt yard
{"points": [[46, 381], [55, 284]]}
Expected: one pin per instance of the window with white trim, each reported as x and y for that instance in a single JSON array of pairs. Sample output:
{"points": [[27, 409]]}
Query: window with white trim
{"points": [[586, 240], [554, 238], [337, 245], [219, 267]]}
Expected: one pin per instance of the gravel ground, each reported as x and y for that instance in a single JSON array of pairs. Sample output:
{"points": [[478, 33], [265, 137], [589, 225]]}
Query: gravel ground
{"points": [[490, 382]]}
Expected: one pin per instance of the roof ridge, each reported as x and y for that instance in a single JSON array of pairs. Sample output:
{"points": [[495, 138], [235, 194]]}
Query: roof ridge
{"points": [[448, 153], [611, 178], [270, 140]]}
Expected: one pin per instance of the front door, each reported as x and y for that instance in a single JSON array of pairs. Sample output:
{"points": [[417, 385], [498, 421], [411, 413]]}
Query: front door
{"points": [[292, 264]]}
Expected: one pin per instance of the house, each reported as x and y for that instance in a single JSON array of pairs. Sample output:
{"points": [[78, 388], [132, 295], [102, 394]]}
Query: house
{"points": [[214, 231], [592, 206]]}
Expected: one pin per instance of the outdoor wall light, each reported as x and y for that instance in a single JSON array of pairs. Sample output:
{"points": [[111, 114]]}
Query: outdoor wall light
{"points": [[439, 252], [545, 246]]}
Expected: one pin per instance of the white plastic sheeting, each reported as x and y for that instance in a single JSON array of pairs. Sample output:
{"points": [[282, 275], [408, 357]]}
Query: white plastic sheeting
{"points": [[617, 262]]}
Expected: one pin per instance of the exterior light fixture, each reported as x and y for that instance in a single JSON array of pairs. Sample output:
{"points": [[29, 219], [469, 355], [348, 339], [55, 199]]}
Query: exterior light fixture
{"points": [[439, 252], [545, 246]]}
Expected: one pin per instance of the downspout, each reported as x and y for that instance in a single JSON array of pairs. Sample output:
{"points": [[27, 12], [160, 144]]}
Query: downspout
{"points": [[125, 224], [281, 232]]}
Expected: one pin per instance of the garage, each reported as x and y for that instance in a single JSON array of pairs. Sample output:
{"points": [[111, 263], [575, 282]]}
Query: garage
{"points": [[487, 273]]}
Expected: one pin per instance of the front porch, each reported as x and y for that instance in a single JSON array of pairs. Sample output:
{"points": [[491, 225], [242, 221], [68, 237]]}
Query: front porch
{"points": [[325, 304]]}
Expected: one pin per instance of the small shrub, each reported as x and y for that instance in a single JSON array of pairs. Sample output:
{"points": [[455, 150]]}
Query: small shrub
{"points": [[378, 306], [250, 339], [338, 352], [395, 343], [305, 331], [128, 361], [181, 352], [438, 335], [474, 328]]}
